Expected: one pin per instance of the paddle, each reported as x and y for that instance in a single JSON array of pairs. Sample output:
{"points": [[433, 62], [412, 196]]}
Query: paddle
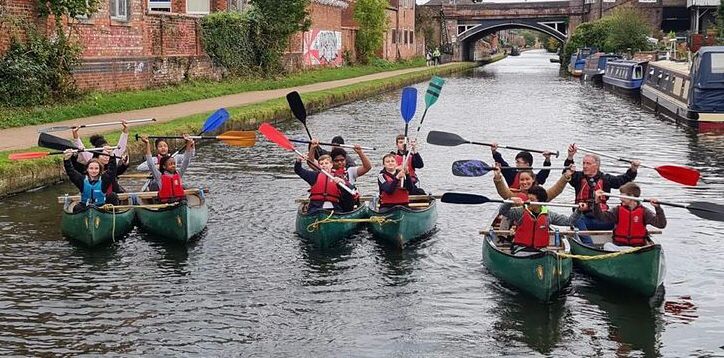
{"points": [[233, 138], [36, 155], [477, 168], [431, 96], [464, 198], [50, 141], [300, 113], [408, 106], [452, 140], [702, 209], [66, 128], [273, 135], [678, 174], [213, 122], [331, 144]]}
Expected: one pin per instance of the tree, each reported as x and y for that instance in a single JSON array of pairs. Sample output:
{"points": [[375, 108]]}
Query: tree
{"points": [[627, 30], [372, 20], [275, 22], [720, 21]]}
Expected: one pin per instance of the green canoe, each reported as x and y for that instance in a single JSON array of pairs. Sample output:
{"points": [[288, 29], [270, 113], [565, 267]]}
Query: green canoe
{"points": [[542, 274], [641, 272], [94, 227], [401, 224], [328, 230], [177, 223]]}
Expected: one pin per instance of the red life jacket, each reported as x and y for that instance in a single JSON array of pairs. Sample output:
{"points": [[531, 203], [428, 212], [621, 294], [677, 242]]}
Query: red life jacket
{"points": [[171, 188], [532, 231], [341, 173], [523, 196], [399, 197], [516, 182], [630, 229], [399, 159], [324, 189], [585, 195]]}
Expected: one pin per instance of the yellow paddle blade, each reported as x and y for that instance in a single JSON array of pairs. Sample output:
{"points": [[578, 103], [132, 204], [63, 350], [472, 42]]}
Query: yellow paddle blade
{"points": [[237, 135], [243, 142]]}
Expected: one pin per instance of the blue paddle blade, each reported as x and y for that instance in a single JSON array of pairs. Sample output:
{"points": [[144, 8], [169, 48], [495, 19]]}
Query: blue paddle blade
{"points": [[215, 120], [408, 104], [470, 168]]}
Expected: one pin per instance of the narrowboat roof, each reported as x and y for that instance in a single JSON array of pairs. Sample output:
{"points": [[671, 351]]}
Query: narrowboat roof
{"points": [[711, 49], [679, 67], [629, 63]]}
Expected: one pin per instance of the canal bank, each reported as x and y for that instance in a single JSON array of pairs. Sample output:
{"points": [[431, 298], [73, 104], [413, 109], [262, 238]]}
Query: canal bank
{"points": [[19, 176]]}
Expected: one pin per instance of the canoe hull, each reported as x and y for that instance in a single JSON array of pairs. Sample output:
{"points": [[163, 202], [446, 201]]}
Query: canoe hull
{"points": [[178, 223], [403, 224], [542, 275], [94, 227], [641, 272], [327, 234]]}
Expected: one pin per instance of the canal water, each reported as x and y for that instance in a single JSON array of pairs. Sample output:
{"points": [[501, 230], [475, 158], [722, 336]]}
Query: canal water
{"points": [[251, 287]]}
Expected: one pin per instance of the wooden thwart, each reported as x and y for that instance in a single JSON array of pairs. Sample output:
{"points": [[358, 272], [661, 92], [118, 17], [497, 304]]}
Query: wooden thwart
{"points": [[369, 197], [125, 196]]}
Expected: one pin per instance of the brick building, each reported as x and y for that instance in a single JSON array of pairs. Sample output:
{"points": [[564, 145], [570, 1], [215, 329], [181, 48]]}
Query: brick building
{"points": [[400, 39]]}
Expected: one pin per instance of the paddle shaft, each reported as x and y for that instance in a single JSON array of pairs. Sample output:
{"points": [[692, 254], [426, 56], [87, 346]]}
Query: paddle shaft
{"points": [[331, 144], [62, 128], [640, 200], [304, 157], [368, 198], [612, 157], [556, 153], [560, 205], [572, 232], [193, 137], [124, 196]]}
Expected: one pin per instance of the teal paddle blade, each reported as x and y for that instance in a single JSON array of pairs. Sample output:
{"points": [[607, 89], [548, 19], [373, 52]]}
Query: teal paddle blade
{"points": [[433, 90]]}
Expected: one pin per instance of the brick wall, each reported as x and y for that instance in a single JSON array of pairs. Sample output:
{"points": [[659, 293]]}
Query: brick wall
{"points": [[400, 39], [22, 11]]}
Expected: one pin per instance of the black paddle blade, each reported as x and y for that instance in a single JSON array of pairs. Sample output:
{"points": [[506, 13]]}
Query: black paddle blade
{"points": [[707, 210], [445, 138], [462, 198], [50, 141], [297, 106], [470, 168]]}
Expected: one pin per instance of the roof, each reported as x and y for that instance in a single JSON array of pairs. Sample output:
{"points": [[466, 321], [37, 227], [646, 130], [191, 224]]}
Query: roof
{"points": [[711, 49], [680, 67]]}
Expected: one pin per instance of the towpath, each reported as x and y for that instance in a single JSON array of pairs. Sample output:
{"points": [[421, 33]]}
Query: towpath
{"points": [[27, 137]]}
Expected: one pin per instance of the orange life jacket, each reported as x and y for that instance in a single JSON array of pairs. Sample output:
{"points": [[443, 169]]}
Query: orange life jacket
{"points": [[171, 188], [324, 189], [399, 197], [532, 231], [630, 229], [587, 195]]}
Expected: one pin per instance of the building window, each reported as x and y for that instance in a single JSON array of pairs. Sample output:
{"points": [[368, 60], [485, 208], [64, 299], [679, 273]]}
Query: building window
{"points": [[405, 36], [159, 5], [394, 36], [119, 10], [412, 37], [199, 7]]}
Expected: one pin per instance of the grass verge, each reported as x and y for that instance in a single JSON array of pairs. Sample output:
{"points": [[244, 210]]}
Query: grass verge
{"points": [[17, 176], [97, 103]]}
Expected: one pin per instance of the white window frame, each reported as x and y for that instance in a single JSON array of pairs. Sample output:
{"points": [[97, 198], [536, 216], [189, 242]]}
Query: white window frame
{"points": [[197, 12], [162, 6], [118, 5]]}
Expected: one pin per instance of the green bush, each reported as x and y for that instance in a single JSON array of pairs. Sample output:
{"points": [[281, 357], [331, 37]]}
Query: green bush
{"points": [[38, 70], [229, 39], [372, 20]]}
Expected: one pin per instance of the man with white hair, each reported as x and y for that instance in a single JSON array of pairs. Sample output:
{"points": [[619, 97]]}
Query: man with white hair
{"points": [[587, 182]]}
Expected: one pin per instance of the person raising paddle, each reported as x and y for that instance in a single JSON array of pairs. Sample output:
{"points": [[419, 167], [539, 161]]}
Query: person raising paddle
{"points": [[391, 192], [590, 180], [526, 180], [349, 174], [324, 193], [414, 161], [94, 184], [167, 177], [522, 160]]}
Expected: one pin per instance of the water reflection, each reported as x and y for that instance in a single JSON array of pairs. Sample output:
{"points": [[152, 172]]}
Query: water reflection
{"points": [[528, 321], [634, 322]]}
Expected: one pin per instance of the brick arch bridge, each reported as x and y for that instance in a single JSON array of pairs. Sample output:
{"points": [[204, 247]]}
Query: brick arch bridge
{"points": [[463, 22], [556, 28]]}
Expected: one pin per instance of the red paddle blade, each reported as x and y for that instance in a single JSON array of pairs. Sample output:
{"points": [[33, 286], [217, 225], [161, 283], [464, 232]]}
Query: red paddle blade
{"points": [[275, 136], [27, 155], [681, 175]]}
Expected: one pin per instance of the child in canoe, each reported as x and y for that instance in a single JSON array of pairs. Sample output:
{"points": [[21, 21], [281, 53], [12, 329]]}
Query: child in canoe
{"points": [[94, 184], [532, 222], [393, 193], [630, 219], [162, 149], [414, 161], [525, 160], [349, 174], [325, 193], [167, 176]]}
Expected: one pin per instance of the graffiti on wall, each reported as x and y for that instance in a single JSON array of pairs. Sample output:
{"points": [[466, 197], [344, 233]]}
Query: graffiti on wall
{"points": [[323, 47]]}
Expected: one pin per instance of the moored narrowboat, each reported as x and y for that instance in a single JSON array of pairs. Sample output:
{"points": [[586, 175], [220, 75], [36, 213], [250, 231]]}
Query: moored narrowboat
{"points": [[692, 94], [578, 60], [624, 76], [595, 66]]}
